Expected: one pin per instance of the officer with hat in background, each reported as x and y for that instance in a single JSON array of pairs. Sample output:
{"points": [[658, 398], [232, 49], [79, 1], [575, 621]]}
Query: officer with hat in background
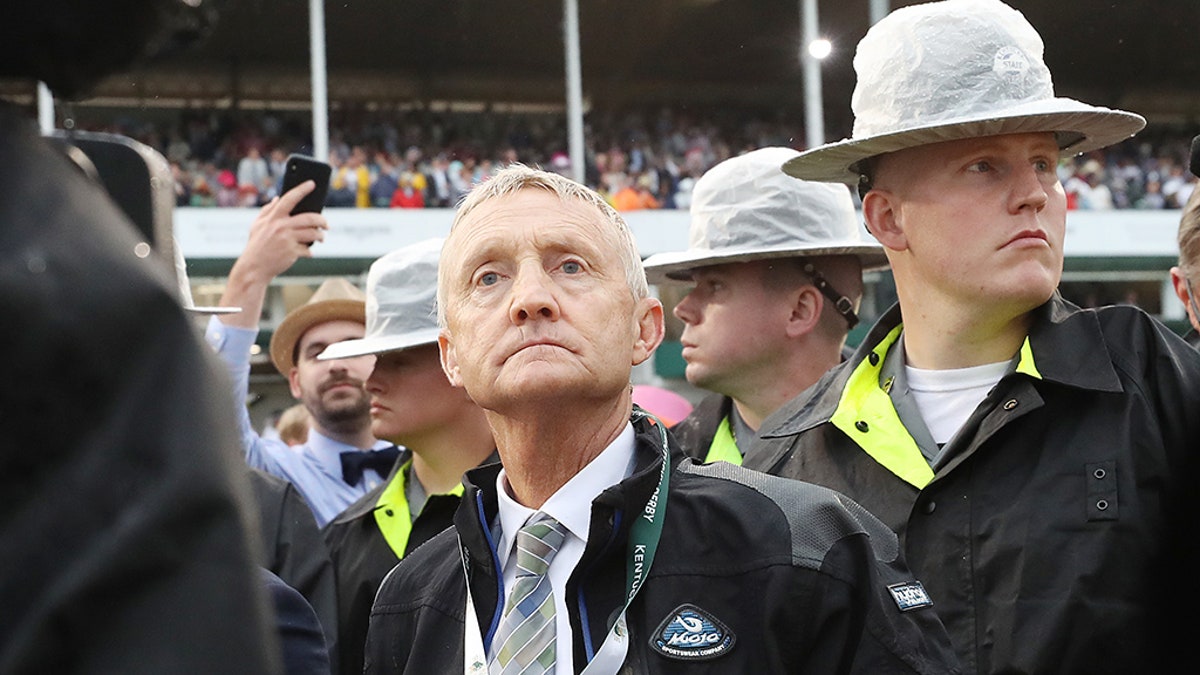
{"points": [[776, 271]]}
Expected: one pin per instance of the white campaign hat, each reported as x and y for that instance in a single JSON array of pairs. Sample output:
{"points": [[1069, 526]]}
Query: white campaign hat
{"points": [[745, 208], [185, 289], [951, 70], [401, 303]]}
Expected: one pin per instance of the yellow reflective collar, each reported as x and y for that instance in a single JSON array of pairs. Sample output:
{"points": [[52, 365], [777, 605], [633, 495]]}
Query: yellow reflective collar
{"points": [[866, 414], [392, 513], [724, 448], [1025, 364]]}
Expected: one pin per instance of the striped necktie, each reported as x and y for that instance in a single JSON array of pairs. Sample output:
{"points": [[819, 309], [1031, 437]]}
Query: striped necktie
{"points": [[524, 642]]}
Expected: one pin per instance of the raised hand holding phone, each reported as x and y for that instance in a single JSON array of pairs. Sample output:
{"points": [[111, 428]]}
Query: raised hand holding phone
{"points": [[300, 168]]}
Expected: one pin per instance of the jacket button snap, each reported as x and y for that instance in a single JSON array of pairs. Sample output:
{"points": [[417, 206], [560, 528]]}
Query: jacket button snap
{"points": [[1099, 474], [389, 512], [1102, 505], [930, 506], [1010, 404], [873, 358], [861, 426]]}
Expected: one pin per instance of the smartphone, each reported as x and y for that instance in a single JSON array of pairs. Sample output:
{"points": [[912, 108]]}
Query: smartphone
{"points": [[300, 168]]}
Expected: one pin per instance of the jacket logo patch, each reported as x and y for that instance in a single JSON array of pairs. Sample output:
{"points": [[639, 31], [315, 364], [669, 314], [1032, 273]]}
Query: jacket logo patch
{"points": [[910, 596], [691, 634]]}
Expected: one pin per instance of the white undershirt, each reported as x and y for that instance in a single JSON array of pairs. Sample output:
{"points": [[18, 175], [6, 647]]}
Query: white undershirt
{"points": [[946, 398], [571, 505]]}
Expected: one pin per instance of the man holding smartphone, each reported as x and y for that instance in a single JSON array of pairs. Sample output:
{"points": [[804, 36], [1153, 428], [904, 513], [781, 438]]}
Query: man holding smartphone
{"points": [[341, 460]]}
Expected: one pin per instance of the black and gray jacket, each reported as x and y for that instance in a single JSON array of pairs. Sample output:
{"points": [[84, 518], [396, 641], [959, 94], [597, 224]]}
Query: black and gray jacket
{"points": [[1056, 532], [788, 578]]}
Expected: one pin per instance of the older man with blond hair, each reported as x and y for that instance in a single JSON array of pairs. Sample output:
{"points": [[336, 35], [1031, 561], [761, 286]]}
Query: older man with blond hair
{"points": [[595, 547]]}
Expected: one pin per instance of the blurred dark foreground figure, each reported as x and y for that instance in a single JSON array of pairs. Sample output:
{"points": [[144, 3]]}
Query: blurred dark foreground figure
{"points": [[126, 547]]}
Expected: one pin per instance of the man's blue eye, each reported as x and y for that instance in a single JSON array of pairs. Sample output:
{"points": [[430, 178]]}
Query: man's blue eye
{"points": [[572, 267], [489, 278]]}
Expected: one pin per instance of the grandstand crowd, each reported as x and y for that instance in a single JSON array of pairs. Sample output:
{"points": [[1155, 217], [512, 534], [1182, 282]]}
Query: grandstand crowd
{"points": [[638, 159]]}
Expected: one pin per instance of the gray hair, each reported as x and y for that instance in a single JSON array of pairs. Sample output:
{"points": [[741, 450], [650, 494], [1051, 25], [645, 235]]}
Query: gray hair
{"points": [[517, 177], [1189, 236]]}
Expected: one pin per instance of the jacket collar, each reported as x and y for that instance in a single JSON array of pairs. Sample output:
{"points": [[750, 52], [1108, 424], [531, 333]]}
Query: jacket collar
{"points": [[628, 495], [370, 501], [477, 512], [1065, 346]]}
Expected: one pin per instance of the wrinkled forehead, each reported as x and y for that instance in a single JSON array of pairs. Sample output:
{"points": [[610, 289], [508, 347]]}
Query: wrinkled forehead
{"points": [[527, 220]]}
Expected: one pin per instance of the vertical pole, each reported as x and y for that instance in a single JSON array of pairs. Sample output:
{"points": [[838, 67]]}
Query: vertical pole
{"points": [[320, 93], [879, 9], [814, 113], [45, 101], [574, 88]]}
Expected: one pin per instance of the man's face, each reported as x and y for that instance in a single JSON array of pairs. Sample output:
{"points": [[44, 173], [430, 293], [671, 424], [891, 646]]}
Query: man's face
{"points": [[538, 307], [332, 390], [979, 222], [411, 397], [734, 326]]}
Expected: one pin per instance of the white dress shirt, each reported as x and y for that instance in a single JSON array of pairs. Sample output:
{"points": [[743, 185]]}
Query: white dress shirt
{"points": [[571, 505]]}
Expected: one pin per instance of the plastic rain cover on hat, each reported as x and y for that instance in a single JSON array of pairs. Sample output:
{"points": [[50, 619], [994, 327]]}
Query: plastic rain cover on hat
{"points": [[951, 70], [401, 303], [745, 208]]}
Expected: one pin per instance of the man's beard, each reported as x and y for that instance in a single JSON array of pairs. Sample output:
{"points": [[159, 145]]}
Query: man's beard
{"points": [[342, 415]]}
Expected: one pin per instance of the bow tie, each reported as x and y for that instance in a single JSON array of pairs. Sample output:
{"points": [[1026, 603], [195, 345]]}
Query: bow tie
{"points": [[355, 461]]}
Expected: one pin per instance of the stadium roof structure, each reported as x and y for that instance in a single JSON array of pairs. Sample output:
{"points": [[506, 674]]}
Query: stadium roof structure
{"points": [[1137, 54]]}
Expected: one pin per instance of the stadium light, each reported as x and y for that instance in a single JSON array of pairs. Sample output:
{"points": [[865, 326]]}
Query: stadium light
{"points": [[820, 48]]}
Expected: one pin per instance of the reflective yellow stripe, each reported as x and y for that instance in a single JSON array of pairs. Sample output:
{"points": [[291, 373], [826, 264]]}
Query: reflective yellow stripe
{"points": [[392, 513], [1026, 364], [865, 413], [724, 448]]}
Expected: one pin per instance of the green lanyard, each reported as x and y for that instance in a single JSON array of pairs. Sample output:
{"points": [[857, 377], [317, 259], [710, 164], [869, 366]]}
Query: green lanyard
{"points": [[647, 529], [644, 536]]}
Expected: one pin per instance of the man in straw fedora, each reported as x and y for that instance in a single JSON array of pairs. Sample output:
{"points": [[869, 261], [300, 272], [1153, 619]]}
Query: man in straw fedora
{"points": [[443, 431], [1033, 456], [776, 271], [328, 469]]}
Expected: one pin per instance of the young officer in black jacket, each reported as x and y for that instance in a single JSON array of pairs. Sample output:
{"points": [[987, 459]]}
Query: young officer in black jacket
{"points": [[412, 404], [775, 267], [1037, 459]]}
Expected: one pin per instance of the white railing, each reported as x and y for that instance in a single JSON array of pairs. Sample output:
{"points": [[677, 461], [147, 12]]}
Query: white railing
{"points": [[220, 233]]}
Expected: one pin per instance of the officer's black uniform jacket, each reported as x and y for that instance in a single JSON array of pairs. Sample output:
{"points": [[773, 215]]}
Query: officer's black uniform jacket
{"points": [[1055, 536], [796, 573], [294, 551], [362, 558], [695, 432]]}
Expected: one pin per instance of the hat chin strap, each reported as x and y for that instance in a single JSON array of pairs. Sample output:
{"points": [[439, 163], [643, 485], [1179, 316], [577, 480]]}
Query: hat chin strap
{"points": [[841, 303]]}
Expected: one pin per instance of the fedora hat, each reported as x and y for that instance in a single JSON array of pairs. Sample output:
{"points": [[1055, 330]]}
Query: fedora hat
{"points": [[401, 303], [335, 300], [745, 208], [952, 70]]}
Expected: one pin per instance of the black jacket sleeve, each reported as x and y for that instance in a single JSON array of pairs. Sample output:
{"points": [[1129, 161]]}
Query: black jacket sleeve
{"points": [[123, 511]]}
